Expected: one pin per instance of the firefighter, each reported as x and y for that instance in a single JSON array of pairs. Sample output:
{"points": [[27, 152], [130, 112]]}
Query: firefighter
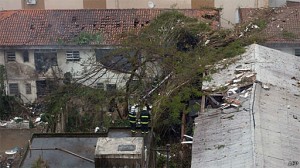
{"points": [[145, 118], [132, 119]]}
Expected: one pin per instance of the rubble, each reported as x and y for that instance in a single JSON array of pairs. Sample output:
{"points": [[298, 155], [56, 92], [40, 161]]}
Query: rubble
{"points": [[239, 87]]}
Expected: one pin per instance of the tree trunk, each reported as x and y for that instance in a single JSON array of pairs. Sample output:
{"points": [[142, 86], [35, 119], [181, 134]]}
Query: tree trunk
{"points": [[183, 123]]}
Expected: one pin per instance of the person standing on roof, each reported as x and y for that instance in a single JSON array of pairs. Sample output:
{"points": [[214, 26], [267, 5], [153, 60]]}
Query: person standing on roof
{"points": [[145, 118], [132, 119]]}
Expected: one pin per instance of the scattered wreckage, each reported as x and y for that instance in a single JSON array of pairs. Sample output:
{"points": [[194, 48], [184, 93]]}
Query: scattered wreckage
{"points": [[234, 92]]}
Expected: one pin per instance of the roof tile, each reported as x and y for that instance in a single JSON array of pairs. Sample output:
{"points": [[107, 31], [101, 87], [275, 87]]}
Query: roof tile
{"points": [[47, 27]]}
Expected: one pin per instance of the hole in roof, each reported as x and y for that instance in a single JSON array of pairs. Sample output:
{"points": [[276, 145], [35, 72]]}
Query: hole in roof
{"points": [[136, 22], [208, 16], [32, 27], [74, 18]]}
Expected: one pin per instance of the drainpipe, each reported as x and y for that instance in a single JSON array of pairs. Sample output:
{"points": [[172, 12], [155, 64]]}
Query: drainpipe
{"points": [[5, 61]]}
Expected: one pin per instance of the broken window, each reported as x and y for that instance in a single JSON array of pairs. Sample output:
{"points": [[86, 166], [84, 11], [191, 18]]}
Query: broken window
{"points": [[111, 87], [13, 88], [113, 61], [297, 52], [25, 56], [11, 56], [100, 86], [72, 56], [28, 88], [45, 59], [44, 87]]}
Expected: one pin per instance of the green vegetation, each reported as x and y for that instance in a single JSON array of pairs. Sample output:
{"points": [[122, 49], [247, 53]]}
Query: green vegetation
{"points": [[88, 38], [288, 35]]}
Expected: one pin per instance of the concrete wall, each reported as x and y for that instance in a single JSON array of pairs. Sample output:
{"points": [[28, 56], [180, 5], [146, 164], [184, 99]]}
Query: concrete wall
{"points": [[66, 4], [24, 72], [196, 4], [128, 4], [10, 4], [276, 3], [95, 4], [230, 7]]}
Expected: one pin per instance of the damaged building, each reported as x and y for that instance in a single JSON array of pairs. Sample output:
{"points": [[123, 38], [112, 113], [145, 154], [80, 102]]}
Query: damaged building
{"points": [[38, 47], [256, 122]]}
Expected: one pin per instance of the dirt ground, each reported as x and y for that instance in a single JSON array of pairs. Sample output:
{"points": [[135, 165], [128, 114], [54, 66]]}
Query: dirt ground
{"points": [[10, 138]]}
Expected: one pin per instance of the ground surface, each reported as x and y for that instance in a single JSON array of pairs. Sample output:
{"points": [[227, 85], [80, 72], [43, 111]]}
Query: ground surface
{"points": [[10, 138]]}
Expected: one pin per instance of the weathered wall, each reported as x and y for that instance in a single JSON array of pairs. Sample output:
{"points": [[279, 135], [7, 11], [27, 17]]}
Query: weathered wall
{"points": [[94, 4], [230, 7], [10, 4], [128, 4], [66, 4], [22, 73], [78, 68], [196, 4], [40, 4], [277, 3]]}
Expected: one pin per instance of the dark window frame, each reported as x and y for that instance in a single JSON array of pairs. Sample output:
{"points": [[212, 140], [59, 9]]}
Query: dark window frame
{"points": [[111, 87], [25, 56], [72, 56], [297, 52], [10, 56], [13, 88]]}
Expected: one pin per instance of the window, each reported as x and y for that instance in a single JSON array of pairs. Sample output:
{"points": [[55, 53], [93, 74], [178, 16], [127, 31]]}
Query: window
{"points": [[100, 86], [72, 56], [113, 60], [111, 87], [297, 52], [44, 60], [28, 88], [11, 56], [25, 56], [13, 88]]}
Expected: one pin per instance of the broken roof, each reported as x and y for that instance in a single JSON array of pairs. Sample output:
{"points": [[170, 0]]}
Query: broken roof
{"points": [[54, 27], [282, 23], [263, 130]]}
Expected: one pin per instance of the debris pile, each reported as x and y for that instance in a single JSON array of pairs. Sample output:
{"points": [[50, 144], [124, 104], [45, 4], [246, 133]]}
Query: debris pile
{"points": [[235, 91]]}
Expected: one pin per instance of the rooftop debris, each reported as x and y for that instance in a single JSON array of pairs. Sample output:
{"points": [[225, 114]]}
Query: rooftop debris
{"points": [[236, 90]]}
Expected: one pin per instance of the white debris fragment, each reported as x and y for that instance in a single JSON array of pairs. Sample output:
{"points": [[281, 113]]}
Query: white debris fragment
{"points": [[239, 75], [266, 87], [38, 119], [237, 80], [206, 42], [232, 91]]}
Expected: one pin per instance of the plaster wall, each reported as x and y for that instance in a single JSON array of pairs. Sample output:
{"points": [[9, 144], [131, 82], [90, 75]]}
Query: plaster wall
{"points": [[66, 4], [128, 4], [80, 69], [10, 4], [230, 8], [278, 3]]}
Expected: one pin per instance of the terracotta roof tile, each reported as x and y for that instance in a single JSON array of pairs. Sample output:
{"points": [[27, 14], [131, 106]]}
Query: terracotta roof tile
{"points": [[283, 23], [47, 27]]}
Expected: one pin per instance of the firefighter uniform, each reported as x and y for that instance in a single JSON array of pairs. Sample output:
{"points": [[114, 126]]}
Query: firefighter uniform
{"points": [[144, 118], [132, 119]]}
